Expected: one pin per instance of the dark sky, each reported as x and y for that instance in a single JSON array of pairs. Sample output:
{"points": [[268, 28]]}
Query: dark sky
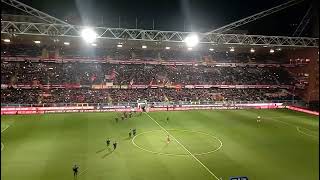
{"points": [[200, 15]]}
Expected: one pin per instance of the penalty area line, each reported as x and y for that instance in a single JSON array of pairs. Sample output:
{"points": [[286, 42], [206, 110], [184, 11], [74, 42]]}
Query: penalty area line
{"points": [[2, 145], [5, 128], [299, 130], [184, 148]]}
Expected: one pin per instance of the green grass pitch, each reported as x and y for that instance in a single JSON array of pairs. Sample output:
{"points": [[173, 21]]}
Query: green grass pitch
{"points": [[203, 145]]}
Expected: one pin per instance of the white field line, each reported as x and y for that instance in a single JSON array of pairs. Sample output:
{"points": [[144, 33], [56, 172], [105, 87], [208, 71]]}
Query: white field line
{"points": [[184, 148], [299, 130], [2, 145], [282, 122], [5, 128], [178, 155]]}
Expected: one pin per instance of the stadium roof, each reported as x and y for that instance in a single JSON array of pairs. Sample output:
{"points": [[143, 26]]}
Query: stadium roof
{"points": [[175, 15], [184, 9]]}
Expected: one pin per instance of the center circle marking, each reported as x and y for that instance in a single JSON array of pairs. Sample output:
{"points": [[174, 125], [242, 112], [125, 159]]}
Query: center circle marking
{"points": [[173, 154]]}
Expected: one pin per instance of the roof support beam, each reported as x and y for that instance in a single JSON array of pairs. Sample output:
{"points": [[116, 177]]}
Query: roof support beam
{"points": [[34, 12], [255, 17], [304, 22], [60, 30]]}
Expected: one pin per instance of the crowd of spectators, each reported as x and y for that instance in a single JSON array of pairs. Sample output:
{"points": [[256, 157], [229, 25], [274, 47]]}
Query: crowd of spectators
{"points": [[86, 95], [88, 74], [175, 54], [98, 73]]}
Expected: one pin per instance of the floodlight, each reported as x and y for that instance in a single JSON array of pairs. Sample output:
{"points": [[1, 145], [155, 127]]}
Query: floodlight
{"points": [[144, 47], [119, 45], [271, 50], [211, 49], [37, 42], [232, 49], [94, 44], [7, 40], [189, 48], [167, 48], [279, 49], [252, 50], [192, 40], [66, 43], [89, 35]]}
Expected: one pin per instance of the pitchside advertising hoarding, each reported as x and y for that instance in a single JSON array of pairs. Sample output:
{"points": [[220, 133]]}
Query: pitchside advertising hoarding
{"points": [[99, 108], [42, 110]]}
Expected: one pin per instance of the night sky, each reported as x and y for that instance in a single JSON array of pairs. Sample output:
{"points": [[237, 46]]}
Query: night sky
{"points": [[180, 15]]}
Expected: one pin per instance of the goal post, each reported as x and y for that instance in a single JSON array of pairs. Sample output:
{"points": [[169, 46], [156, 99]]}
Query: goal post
{"points": [[143, 105]]}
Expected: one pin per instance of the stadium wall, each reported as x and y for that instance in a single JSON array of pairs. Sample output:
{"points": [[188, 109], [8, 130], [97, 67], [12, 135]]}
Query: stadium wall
{"points": [[302, 110]]}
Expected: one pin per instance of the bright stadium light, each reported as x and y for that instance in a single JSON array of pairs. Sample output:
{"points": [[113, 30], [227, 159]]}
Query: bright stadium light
{"points": [[144, 47], [37, 42], [192, 40], [252, 50], [119, 45], [66, 43], [211, 49], [94, 44], [89, 35], [232, 49], [271, 51], [167, 48], [7, 40]]}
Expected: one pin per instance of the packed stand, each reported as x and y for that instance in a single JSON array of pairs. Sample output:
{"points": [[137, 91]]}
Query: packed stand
{"points": [[96, 73], [180, 54], [16, 96]]}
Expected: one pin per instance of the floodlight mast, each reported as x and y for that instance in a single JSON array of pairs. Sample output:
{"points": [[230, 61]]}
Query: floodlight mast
{"points": [[89, 35], [192, 40], [255, 17]]}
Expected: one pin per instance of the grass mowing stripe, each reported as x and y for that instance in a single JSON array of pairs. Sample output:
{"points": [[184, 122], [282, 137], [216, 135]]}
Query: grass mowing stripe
{"points": [[82, 172], [184, 147]]}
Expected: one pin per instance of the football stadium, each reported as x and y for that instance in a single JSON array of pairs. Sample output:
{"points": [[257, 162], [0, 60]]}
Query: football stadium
{"points": [[159, 90]]}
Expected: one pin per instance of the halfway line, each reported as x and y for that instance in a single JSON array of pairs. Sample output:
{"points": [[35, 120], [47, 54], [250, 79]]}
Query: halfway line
{"points": [[184, 147]]}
